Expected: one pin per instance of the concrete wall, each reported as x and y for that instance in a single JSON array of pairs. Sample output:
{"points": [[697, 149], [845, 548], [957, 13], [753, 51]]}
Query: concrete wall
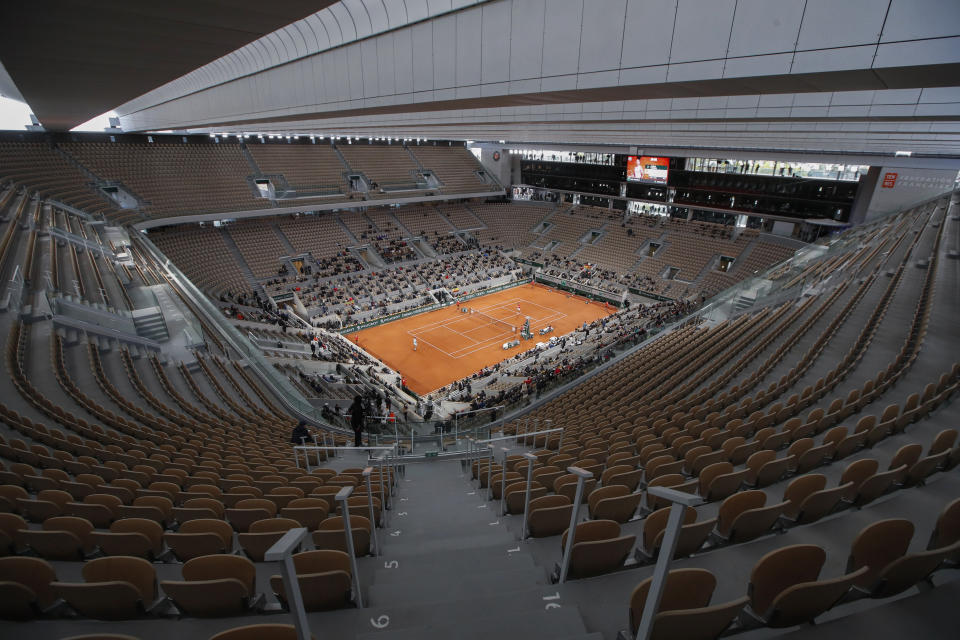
{"points": [[898, 187], [500, 169]]}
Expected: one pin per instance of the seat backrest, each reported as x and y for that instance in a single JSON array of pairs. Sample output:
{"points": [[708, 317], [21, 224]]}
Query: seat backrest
{"points": [[209, 525], [802, 486], [737, 504], [321, 560], [34, 573], [80, 527], [684, 589], [273, 525], [857, 472], [602, 493], [781, 569], [547, 502], [708, 473], [10, 523], [336, 523], [222, 566], [877, 545], [152, 530], [656, 523], [259, 632], [136, 571], [908, 454], [258, 503], [947, 529], [593, 530]]}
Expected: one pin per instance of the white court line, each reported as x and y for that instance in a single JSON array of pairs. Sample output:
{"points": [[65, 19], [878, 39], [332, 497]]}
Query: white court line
{"points": [[535, 323]]}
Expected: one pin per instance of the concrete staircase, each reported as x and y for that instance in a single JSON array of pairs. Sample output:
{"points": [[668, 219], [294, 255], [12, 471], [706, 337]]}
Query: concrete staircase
{"points": [[244, 267], [150, 324]]}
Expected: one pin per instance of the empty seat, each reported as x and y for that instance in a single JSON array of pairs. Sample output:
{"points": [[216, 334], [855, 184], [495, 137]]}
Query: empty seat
{"points": [[746, 515], [332, 535], [115, 588], [693, 534], [220, 585], [879, 552], [685, 610], [62, 538], [784, 587], [615, 502], [325, 579], [263, 534], [598, 548], [549, 515], [200, 538], [131, 537], [25, 587]]}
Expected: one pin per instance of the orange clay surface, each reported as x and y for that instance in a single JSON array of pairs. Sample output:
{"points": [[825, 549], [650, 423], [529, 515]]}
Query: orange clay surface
{"points": [[452, 345]]}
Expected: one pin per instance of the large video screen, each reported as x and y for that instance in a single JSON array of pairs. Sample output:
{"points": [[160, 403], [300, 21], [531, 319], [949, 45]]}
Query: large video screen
{"points": [[647, 169]]}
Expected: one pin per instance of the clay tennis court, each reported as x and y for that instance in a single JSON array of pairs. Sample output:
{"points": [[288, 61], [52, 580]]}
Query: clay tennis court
{"points": [[452, 345]]}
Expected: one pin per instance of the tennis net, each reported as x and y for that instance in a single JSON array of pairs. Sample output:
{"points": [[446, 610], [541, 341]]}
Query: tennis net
{"points": [[494, 321]]}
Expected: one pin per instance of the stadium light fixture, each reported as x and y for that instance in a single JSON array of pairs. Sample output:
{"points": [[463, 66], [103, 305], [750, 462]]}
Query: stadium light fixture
{"points": [[903, 154]]}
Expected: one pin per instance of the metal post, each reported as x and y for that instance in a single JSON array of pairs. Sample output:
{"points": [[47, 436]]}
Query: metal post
{"points": [[503, 480], [526, 500], [341, 497], [668, 546], [282, 550], [373, 520], [490, 472], [582, 474]]}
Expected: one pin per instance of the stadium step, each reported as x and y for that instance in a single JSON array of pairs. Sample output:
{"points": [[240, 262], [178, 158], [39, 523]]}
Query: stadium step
{"points": [[562, 622], [475, 561], [456, 586]]}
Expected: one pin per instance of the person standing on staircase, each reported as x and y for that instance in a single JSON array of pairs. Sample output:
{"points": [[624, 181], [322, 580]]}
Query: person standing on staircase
{"points": [[356, 420]]}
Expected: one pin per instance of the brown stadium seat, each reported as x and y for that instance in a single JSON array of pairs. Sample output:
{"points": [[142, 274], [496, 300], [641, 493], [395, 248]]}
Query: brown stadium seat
{"points": [[98, 508], [746, 515], [156, 508], [325, 580], [25, 587], [615, 502], [622, 474], [47, 504], [263, 534], [566, 485], [200, 538], [947, 530], [598, 548], [259, 632], [62, 538], [693, 534], [765, 468], [332, 535], [10, 524], [309, 512], [214, 586], [549, 516], [784, 587], [516, 495], [498, 482], [685, 610], [131, 537], [880, 552], [546, 475], [114, 588], [248, 511], [877, 485], [196, 508], [719, 480]]}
